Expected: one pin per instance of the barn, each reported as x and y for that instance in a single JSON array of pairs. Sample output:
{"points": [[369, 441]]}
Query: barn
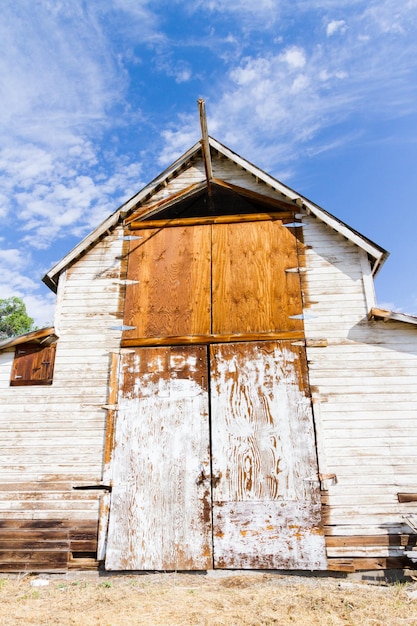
{"points": [[218, 391]]}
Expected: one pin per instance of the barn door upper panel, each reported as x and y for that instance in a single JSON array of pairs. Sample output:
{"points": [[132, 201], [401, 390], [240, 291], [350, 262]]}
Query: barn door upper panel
{"points": [[170, 295], [236, 275], [252, 291]]}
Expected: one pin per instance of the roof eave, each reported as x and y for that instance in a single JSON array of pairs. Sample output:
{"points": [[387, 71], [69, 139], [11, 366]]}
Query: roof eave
{"points": [[377, 254], [391, 316], [42, 335], [51, 278]]}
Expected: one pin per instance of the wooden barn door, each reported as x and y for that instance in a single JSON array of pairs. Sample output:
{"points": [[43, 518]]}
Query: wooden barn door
{"points": [[249, 467], [266, 499], [160, 511]]}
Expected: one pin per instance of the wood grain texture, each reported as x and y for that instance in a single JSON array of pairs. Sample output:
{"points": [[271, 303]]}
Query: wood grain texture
{"points": [[172, 296], [218, 219], [251, 290], [266, 496], [45, 545], [33, 365], [160, 510], [212, 338]]}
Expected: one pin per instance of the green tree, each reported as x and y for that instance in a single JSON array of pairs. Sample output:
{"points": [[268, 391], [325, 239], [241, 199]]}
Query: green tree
{"points": [[14, 319]]}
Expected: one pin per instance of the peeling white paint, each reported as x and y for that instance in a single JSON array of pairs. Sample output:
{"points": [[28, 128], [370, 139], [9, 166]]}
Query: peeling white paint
{"points": [[157, 516], [263, 451]]}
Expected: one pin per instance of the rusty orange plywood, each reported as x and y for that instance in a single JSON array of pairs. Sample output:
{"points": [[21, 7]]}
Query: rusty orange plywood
{"points": [[172, 295], [252, 292]]}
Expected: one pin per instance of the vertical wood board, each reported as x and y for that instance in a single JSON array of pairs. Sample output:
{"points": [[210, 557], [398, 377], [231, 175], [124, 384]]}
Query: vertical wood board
{"points": [[160, 516], [172, 295], [266, 493], [251, 290]]}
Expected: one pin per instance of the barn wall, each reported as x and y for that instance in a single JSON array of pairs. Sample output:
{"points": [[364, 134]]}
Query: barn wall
{"points": [[365, 400], [363, 389], [52, 436]]}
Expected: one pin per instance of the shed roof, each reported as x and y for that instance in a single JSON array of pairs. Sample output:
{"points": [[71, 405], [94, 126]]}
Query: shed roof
{"points": [[376, 254], [392, 316], [43, 336]]}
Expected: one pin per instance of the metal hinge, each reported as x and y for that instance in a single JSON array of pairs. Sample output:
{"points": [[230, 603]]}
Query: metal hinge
{"points": [[92, 487]]}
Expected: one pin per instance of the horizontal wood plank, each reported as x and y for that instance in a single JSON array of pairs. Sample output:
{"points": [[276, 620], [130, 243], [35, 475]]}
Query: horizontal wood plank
{"points": [[219, 219], [208, 339]]}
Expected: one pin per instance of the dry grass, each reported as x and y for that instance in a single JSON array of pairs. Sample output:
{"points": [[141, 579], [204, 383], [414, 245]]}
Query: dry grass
{"points": [[183, 599]]}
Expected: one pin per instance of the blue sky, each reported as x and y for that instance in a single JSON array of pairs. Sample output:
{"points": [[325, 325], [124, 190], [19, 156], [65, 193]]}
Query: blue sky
{"points": [[97, 97]]}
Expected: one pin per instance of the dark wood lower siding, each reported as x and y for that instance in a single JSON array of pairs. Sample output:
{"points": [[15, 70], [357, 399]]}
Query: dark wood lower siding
{"points": [[351, 553], [59, 545], [47, 545], [371, 545]]}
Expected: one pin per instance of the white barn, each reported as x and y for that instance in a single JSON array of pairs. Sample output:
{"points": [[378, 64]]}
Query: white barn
{"points": [[219, 390]]}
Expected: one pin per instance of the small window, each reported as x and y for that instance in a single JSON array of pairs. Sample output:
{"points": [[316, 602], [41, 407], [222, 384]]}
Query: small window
{"points": [[33, 364]]}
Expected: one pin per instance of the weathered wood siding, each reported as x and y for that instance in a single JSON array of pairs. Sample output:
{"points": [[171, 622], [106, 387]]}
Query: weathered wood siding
{"points": [[363, 386], [160, 513], [52, 436], [266, 499], [365, 404]]}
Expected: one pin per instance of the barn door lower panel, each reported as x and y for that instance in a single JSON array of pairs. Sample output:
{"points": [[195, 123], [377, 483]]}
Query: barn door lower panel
{"points": [[160, 512], [263, 491], [266, 499]]}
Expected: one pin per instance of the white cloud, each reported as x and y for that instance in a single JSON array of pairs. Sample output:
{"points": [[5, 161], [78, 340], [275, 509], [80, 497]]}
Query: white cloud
{"points": [[12, 257], [177, 141], [41, 308], [179, 70], [245, 7], [390, 16], [335, 26], [294, 93], [295, 57], [14, 281]]}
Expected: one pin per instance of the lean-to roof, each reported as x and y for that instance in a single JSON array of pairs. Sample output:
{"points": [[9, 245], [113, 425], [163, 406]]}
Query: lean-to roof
{"points": [[43, 336]]}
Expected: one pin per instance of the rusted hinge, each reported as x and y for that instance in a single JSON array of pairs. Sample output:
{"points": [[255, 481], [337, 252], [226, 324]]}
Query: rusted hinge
{"points": [[325, 477]]}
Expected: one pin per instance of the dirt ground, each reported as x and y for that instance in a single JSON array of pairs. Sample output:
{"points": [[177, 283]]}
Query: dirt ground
{"points": [[203, 600]]}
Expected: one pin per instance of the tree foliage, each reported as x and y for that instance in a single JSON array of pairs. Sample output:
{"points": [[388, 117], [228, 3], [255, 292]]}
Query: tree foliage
{"points": [[14, 319]]}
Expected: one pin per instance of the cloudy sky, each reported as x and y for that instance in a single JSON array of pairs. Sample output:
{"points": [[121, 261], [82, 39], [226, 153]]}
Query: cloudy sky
{"points": [[97, 97]]}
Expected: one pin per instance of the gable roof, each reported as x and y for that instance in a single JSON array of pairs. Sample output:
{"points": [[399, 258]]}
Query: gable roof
{"points": [[285, 196]]}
